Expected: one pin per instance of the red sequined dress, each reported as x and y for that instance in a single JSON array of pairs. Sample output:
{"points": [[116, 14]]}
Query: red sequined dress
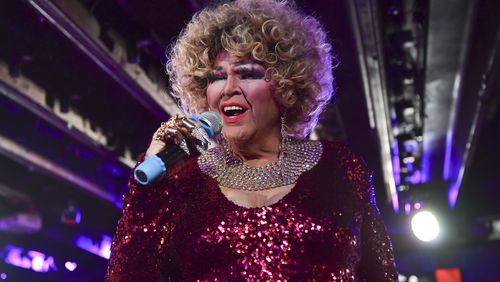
{"points": [[328, 228]]}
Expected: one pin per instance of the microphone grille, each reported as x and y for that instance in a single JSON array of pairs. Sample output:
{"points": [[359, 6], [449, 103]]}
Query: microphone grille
{"points": [[213, 120]]}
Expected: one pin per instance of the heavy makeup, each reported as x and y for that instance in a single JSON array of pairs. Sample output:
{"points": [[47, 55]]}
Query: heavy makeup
{"points": [[239, 90]]}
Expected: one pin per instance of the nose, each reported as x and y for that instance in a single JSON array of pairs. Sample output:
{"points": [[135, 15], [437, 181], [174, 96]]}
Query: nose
{"points": [[231, 87]]}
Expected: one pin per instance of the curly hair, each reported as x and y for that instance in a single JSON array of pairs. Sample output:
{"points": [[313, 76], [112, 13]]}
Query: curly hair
{"points": [[292, 46]]}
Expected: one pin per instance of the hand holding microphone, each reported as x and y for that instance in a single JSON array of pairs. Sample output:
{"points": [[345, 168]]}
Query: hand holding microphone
{"points": [[174, 140]]}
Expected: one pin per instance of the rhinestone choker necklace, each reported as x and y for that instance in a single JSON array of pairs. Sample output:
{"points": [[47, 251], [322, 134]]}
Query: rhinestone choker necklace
{"points": [[298, 156]]}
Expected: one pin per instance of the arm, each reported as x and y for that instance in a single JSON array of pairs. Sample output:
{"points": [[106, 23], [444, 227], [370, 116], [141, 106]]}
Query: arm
{"points": [[377, 261], [140, 249], [138, 252], [376, 258]]}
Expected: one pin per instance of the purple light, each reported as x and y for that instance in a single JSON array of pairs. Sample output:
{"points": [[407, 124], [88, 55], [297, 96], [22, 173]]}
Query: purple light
{"points": [[447, 155], [78, 217], [71, 266], [426, 165], [106, 248], [411, 146], [396, 169], [115, 171], [3, 276], [417, 205], [33, 260], [453, 193], [409, 166], [102, 248], [415, 178], [395, 202], [37, 261], [14, 257], [407, 208], [455, 188]]}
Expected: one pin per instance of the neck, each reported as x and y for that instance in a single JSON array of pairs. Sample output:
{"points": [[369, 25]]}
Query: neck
{"points": [[258, 152]]}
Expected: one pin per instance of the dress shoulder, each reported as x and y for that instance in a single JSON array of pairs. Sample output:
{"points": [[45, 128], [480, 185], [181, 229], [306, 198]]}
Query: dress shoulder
{"points": [[350, 167]]}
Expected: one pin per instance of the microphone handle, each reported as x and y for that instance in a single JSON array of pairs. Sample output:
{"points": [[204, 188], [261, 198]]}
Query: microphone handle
{"points": [[171, 154], [156, 165]]}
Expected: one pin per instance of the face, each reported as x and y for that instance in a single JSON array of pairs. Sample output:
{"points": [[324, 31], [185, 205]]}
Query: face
{"points": [[239, 91]]}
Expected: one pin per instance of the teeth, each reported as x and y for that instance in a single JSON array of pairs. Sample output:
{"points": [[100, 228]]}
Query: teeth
{"points": [[233, 108]]}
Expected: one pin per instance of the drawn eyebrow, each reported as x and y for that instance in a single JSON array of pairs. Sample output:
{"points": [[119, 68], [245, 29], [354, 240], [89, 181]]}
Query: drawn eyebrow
{"points": [[237, 64], [245, 62]]}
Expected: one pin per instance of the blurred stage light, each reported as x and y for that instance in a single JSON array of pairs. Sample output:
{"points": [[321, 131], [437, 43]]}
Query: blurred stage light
{"points": [[21, 223], [70, 265], [425, 226], [3, 276], [407, 208], [413, 278], [448, 275], [72, 214], [495, 229], [101, 248], [28, 259], [37, 262]]}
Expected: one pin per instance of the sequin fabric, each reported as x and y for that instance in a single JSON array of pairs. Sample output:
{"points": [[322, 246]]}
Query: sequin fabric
{"points": [[220, 164], [182, 228]]}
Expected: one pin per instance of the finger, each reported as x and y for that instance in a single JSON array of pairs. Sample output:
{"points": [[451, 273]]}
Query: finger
{"points": [[175, 134], [187, 124], [160, 133], [177, 128], [155, 147]]}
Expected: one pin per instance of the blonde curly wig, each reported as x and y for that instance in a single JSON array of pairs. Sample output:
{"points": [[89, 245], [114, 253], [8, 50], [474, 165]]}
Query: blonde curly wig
{"points": [[292, 46]]}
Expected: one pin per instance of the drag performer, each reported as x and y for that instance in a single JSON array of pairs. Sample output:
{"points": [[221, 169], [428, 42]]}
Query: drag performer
{"points": [[265, 204]]}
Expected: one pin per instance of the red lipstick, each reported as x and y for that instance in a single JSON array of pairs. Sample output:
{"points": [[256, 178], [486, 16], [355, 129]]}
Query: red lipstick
{"points": [[236, 118]]}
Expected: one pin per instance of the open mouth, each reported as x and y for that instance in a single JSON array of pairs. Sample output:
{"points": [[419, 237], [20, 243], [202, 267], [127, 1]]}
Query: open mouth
{"points": [[233, 111]]}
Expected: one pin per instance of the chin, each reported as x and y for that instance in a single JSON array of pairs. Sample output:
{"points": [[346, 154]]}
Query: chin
{"points": [[236, 135]]}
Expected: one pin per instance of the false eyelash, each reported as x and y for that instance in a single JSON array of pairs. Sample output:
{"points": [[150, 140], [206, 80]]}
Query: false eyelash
{"points": [[252, 75], [214, 77]]}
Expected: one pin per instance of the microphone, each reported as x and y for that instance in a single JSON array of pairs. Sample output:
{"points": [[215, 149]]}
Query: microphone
{"points": [[208, 124]]}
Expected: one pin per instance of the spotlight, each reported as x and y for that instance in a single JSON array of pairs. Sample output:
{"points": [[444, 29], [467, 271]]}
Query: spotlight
{"points": [[425, 226], [413, 278]]}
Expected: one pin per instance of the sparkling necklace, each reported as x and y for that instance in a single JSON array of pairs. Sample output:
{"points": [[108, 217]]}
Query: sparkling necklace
{"points": [[297, 157]]}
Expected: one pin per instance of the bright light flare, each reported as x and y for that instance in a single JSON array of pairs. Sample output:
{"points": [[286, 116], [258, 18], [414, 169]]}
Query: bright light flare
{"points": [[425, 226], [37, 263], [413, 278], [71, 266]]}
